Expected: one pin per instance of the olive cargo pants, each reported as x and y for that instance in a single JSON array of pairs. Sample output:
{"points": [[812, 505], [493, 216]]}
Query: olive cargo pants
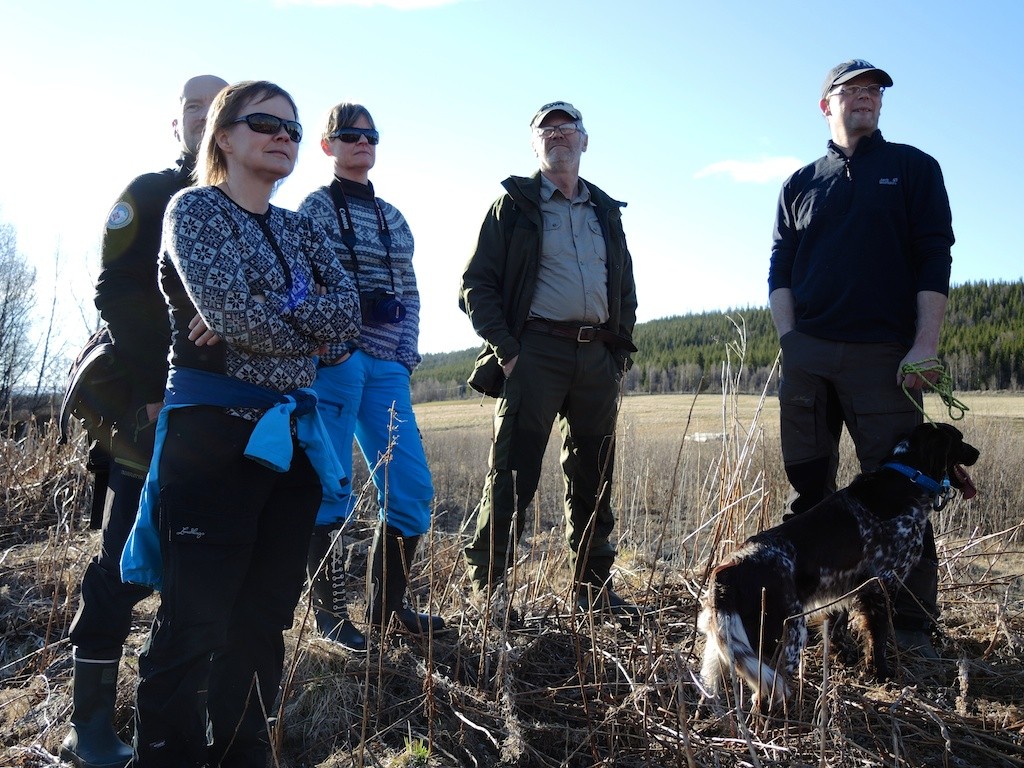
{"points": [[576, 383]]}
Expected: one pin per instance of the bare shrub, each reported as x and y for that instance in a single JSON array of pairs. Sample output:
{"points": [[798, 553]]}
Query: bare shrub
{"points": [[527, 679]]}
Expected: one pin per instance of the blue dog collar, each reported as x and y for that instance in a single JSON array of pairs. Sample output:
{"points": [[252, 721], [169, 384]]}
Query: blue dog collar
{"points": [[916, 476]]}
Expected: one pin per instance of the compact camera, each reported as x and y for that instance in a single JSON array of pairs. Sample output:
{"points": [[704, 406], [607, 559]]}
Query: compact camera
{"points": [[381, 306]]}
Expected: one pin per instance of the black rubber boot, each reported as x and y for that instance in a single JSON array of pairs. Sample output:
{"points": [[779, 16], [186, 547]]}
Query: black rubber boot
{"points": [[390, 556], [92, 741], [594, 590], [594, 600], [325, 568]]}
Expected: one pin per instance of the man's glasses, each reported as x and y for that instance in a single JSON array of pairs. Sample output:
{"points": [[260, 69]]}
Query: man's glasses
{"points": [[853, 91], [261, 122], [352, 135], [565, 129]]}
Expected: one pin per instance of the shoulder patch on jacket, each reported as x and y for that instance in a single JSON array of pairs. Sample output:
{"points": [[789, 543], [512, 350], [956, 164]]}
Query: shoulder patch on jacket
{"points": [[120, 216]]}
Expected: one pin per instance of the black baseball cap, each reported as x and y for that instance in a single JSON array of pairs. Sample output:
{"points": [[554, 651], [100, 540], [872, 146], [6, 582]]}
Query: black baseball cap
{"points": [[848, 70]]}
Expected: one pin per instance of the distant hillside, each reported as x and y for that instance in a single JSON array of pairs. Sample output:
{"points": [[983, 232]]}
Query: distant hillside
{"points": [[982, 345]]}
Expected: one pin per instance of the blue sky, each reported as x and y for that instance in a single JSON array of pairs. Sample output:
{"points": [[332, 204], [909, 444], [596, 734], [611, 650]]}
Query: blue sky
{"points": [[696, 113]]}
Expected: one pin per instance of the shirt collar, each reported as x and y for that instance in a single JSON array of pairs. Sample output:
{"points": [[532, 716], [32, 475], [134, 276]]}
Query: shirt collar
{"points": [[548, 189]]}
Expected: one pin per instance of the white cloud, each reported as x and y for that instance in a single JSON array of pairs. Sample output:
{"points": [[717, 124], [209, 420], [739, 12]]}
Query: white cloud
{"points": [[399, 5], [752, 171]]}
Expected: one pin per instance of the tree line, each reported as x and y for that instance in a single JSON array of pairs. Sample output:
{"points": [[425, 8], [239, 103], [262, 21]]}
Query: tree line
{"points": [[982, 347]]}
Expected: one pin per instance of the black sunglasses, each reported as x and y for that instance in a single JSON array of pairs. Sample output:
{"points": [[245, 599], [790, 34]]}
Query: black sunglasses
{"points": [[261, 122], [352, 135]]}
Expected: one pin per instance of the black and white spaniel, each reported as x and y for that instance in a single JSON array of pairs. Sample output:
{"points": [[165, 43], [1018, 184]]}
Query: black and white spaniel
{"points": [[871, 531]]}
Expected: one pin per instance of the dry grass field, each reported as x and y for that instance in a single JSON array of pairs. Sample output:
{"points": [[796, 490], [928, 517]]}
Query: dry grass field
{"points": [[542, 684]]}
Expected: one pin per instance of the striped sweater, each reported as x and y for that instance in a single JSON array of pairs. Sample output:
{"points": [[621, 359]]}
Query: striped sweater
{"points": [[398, 342]]}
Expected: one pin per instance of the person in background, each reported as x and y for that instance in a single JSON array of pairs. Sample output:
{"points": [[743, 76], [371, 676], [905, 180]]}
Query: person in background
{"points": [[237, 474], [550, 290], [858, 283], [365, 392], [130, 303]]}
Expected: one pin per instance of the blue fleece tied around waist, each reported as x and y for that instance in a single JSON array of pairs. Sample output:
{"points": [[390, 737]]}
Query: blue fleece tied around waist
{"points": [[269, 445]]}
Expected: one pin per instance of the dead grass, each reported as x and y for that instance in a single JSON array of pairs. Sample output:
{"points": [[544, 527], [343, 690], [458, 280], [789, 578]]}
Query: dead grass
{"points": [[550, 686]]}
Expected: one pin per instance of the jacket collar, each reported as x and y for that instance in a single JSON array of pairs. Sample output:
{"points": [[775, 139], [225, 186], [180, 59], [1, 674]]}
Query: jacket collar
{"points": [[525, 190], [866, 144]]}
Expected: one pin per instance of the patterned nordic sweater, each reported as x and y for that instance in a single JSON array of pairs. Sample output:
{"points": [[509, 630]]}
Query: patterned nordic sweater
{"points": [[218, 257], [398, 342]]}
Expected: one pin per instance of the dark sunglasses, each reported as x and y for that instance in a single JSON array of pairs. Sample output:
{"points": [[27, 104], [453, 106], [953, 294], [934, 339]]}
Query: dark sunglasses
{"points": [[261, 122], [352, 135]]}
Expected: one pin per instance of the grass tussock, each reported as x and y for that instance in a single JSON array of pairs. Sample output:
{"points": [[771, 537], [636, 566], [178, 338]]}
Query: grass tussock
{"points": [[525, 678]]}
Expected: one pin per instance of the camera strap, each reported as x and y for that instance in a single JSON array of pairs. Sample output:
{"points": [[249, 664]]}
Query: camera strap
{"points": [[348, 232], [262, 220]]}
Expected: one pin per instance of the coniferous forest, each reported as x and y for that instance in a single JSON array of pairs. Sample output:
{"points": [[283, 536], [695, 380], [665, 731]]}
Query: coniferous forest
{"points": [[982, 347]]}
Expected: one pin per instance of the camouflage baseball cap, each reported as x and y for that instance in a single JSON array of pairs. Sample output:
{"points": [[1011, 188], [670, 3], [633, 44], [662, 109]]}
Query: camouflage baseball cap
{"points": [[555, 106]]}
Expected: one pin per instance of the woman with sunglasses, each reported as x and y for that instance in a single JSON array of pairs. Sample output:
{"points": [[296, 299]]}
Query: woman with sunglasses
{"points": [[238, 473], [365, 392]]}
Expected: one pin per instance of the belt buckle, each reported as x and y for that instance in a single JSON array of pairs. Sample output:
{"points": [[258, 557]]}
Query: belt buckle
{"points": [[586, 334]]}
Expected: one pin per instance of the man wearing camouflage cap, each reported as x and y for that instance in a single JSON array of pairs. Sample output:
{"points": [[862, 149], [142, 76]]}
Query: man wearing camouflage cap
{"points": [[550, 290]]}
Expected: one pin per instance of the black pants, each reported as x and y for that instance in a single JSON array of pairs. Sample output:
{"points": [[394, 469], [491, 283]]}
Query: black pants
{"points": [[826, 385], [234, 536], [104, 615]]}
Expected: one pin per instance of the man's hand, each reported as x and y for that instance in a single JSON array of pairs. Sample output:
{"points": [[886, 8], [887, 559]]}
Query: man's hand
{"points": [[925, 358], [507, 367], [153, 410]]}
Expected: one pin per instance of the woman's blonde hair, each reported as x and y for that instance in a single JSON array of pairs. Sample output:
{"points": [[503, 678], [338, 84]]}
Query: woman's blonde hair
{"points": [[212, 167]]}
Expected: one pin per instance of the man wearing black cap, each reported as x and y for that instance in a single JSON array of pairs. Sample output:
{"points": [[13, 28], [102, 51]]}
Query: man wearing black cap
{"points": [[858, 284], [550, 290], [129, 301]]}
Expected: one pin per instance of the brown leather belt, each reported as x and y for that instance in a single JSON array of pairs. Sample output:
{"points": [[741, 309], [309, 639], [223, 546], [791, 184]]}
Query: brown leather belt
{"points": [[579, 333]]}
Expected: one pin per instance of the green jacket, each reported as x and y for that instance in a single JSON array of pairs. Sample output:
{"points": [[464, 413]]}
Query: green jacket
{"points": [[499, 280]]}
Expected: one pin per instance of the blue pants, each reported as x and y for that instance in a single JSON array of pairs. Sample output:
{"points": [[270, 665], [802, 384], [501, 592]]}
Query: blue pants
{"points": [[356, 400]]}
